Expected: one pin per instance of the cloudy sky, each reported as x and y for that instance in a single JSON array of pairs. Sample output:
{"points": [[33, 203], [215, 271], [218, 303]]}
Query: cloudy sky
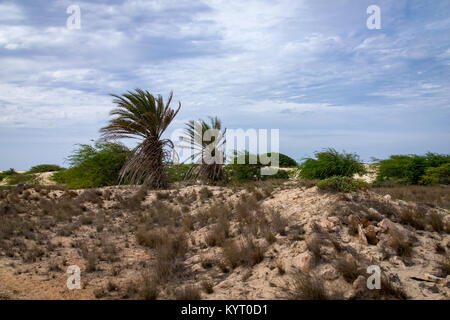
{"points": [[310, 68]]}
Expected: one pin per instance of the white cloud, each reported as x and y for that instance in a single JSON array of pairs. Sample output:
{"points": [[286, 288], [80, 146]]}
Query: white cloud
{"points": [[10, 12], [33, 106]]}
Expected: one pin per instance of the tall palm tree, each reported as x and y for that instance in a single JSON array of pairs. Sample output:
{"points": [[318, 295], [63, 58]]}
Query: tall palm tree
{"points": [[140, 115], [207, 154]]}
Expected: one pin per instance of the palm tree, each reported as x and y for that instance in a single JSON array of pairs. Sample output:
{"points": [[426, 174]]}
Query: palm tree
{"points": [[208, 155], [140, 115]]}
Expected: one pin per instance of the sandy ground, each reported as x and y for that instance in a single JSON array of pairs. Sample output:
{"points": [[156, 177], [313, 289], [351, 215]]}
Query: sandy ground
{"points": [[302, 207]]}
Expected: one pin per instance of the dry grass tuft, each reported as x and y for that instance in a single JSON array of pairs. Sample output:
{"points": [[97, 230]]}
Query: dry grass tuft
{"points": [[305, 286], [403, 247], [414, 218], [218, 234], [314, 245], [147, 288], [247, 252], [207, 286], [444, 267], [205, 193], [349, 269], [279, 223], [189, 292]]}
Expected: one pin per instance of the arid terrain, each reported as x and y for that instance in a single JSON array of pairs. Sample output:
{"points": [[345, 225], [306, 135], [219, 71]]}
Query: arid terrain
{"points": [[260, 240]]}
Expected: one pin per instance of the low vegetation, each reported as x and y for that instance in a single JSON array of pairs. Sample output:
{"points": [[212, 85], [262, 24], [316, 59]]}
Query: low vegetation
{"points": [[342, 184], [431, 168], [93, 166], [45, 168], [434, 196], [329, 163]]}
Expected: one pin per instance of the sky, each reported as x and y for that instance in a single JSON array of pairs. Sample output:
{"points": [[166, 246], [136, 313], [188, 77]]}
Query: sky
{"points": [[310, 68]]}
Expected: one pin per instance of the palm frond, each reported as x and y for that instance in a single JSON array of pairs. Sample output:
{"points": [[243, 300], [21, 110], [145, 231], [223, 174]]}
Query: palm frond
{"points": [[208, 155], [142, 116]]}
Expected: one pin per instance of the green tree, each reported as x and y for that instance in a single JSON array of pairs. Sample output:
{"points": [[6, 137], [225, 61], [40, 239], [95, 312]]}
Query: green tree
{"points": [[140, 115], [208, 155]]}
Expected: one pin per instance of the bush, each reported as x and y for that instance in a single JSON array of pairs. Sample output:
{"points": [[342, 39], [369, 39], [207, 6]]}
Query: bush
{"points": [[94, 166], [7, 173], [331, 163], [45, 168], [18, 178], [342, 184], [281, 174], [439, 175], [177, 172], [240, 168], [414, 169], [304, 286], [284, 160], [12, 177]]}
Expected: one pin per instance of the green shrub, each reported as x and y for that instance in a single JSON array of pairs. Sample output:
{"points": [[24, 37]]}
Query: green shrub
{"points": [[284, 160], [94, 166], [439, 175], [281, 174], [177, 172], [7, 173], [18, 178], [342, 184], [410, 169], [331, 163], [12, 177], [44, 168], [240, 168]]}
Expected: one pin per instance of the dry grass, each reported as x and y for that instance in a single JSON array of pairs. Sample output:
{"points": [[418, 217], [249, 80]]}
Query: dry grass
{"points": [[207, 262], [414, 218], [303, 286], [147, 288], [279, 223], [280, 267], [163, 195], [218, 234], [314, 245], [348, 268], [246, 252], [444, 267], [436, 196], [436, 221], [403, 247], [91, 261], [189, 292], [205, 193], [91, 195], [151, 238], [420, 218], [389, 290], [439, 248], [207, 286]]}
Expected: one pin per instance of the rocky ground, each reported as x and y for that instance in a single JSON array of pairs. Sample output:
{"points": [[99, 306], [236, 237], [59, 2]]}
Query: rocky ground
{"points": [[268, 240]]}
